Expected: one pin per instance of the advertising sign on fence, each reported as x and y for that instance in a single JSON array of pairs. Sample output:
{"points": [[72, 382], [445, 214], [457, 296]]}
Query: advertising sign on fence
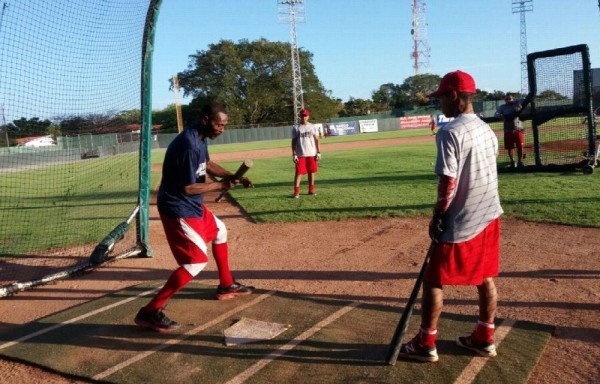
{"points": [[443, 120], [414, 121], [344, 128], [368, 125]]}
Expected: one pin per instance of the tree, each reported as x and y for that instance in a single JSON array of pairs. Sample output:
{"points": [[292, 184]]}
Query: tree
{"points": [[413, 92], [30, 127], [254, 80], [418, 87], [167, 119], [551, 95], [389, 96], [356, 107]]}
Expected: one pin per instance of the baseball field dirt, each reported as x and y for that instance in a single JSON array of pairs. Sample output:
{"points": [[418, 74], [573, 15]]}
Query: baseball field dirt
{"points": [[549, 275]]}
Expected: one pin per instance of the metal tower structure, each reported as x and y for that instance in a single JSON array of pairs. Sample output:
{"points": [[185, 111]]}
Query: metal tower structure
{"points": [[421, 51], [522, 7], [292, 12]]}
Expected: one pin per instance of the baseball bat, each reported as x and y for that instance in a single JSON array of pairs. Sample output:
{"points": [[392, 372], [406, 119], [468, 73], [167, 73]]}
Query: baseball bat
{"points": [[103, 248], [244, 167], [402, 327]]}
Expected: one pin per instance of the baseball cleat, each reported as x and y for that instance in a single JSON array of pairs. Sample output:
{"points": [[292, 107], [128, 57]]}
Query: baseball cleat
{"points": [[157, 321], [482, 349], [413, 350], [234, 290]]}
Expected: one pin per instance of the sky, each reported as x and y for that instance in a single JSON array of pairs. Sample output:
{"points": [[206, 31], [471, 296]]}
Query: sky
{"points": [[359, 45]]}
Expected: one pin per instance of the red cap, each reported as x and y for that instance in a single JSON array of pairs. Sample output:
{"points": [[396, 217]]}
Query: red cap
{"points": [[304, 112], [458, 81]]}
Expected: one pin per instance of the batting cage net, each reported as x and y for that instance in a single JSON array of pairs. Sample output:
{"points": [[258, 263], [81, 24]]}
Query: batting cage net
{"points": [[71, 128], [560, 130]]}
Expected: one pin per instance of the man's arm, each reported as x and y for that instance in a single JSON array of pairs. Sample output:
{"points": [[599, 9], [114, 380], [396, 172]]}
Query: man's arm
{"points": [[212, 170]]}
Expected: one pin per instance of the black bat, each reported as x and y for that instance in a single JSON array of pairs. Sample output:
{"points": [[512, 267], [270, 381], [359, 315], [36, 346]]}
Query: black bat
{"points": [[103, 248], [244, 167], [402, 327]]}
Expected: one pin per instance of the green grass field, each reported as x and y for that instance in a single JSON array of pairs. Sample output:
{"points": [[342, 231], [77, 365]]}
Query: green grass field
{"points": [[399, 181], [395, 181]]}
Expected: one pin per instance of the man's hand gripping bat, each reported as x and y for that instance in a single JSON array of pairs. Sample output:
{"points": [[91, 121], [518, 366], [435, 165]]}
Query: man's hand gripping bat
{"points": [[238, 175]]}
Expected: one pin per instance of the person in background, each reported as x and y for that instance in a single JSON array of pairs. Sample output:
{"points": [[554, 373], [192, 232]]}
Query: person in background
{"points": [[306, 152], [513, 129], [432, 124]]}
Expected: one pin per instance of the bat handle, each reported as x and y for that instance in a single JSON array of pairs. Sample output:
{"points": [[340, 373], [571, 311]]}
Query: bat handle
{"points": [[237, 175]]}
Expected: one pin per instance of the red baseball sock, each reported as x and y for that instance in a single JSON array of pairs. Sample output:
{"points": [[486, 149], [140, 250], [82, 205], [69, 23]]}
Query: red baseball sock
{"points": [[484, 332], [427, 336], [176, 281], [221, 255], [311, 188], [296, 191]]}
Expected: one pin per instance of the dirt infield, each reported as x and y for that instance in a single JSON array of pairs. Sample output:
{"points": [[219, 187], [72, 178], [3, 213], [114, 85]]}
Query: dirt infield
{"points": [[549, 275]]}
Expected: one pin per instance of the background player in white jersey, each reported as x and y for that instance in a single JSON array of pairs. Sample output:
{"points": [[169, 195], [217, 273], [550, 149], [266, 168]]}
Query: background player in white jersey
{"points": [[466, 221], [306, 152]]}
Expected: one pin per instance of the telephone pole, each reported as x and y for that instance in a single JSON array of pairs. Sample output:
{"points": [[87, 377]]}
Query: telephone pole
{"points": [[292, 12], [177, 103]]}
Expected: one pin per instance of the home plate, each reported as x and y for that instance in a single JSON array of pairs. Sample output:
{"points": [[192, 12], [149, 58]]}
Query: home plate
{"points": [[248, 331]]}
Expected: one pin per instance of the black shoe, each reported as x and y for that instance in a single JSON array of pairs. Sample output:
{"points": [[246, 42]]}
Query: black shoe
{"points": [[415, 351], [482, 349], [234, 290], [156, 321]]}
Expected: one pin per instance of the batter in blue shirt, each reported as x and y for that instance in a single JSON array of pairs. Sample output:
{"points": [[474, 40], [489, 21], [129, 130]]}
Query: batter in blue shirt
{"points": [[189, 225]]}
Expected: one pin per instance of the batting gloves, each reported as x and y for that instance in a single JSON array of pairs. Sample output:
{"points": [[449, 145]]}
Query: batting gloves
{"points": [[436, 225], [318, 157]]}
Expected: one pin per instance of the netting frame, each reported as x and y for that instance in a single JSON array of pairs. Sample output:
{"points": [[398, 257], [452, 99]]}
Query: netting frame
{"points": [[141, 210], [538, 116]]}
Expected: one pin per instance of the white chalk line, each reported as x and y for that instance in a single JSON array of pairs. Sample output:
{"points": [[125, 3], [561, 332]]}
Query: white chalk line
{"points": [[182, 337], [474, 367], [252, 370], [75, 319]]}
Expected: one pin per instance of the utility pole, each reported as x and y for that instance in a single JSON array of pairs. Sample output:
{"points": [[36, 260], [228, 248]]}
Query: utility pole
{"points": [[421, 51], [521, 7], [292, 12], [177, 103], [4, 125]]}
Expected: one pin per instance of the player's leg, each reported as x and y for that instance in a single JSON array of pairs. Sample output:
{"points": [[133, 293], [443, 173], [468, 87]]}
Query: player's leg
{"points": [[312, 166], [300, 171], [481, 340], [190, 252], [519, 143], [508, 146], [422, 346], [228, 288]]}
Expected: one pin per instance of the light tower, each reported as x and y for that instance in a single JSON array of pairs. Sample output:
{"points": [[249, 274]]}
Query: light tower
{"points": [[421, 51], [521, 7], [292, 12]]}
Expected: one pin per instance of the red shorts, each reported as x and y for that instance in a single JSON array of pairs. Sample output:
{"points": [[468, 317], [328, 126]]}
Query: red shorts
{"points": [[307, 165], [466, 263], [514, 139], [189, 237]]}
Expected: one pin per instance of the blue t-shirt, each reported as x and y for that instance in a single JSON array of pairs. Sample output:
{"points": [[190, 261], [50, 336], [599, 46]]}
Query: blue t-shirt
{"points": [[184, 164]]}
